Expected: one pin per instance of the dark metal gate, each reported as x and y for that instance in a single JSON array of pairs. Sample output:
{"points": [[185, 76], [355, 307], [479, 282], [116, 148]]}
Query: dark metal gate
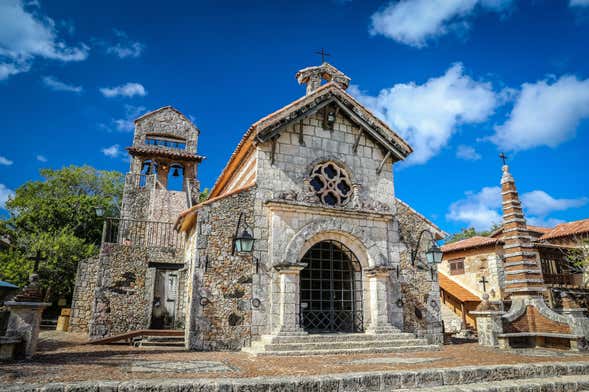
{"points": [[331, 289]]}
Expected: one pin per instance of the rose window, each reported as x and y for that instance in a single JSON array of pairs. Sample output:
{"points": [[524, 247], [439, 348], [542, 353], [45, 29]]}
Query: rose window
{"points": [[331, 184]]}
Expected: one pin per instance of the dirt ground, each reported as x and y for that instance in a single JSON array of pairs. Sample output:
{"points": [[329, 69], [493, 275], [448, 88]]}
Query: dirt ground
{"points": [[64, 357]]}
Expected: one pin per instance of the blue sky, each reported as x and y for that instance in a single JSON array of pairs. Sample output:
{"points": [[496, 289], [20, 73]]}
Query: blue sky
{"points": [[461, 80]]}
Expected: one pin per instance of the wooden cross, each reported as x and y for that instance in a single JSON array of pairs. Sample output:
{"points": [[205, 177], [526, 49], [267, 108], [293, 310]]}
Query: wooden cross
{"points": [[484, 282], [503, 158], [323, 54]]}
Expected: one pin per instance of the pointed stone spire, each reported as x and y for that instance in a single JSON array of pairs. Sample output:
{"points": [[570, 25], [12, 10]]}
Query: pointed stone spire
{"points": [[523, 275], [313, 76]]}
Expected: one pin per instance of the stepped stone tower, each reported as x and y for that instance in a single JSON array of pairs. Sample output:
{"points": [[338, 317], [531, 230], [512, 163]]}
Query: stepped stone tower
{"points": [[523, 275], [529, 321]]}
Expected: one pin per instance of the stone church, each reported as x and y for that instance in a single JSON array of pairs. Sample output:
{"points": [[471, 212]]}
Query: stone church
{"points": [[301, 245]]}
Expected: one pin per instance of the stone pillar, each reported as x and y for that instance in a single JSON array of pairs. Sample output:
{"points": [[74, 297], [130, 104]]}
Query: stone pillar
{"points": [[379, 310], [25, 322], [489, 323], [290, 293]]}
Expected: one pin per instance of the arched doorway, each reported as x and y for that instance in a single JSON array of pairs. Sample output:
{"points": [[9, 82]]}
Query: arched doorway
{"points": [[331, 289]]}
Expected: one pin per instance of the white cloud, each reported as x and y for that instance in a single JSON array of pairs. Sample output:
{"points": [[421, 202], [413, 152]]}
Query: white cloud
{"points": [[579, 3], [26, 34], [5, 161], [113, 151], [57, 85], [483, 209], [540, 203], [467, 153], [544, 114], [415, 22], [124, 47], [126, 90], [478, 210], [41, 158], [5, 194], [427, 115], [126, 123]]}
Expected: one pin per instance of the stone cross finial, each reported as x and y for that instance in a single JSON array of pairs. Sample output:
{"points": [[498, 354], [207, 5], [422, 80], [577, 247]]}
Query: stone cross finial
{"points": [[313, 76]]}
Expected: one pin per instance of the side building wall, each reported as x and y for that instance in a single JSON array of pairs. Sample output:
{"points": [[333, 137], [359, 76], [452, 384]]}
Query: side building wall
{"points": [[83, 296], [219, 285], [419, 287], [124, 289]]}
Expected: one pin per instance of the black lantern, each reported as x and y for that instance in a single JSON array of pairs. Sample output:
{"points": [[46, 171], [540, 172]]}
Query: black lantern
{"points": [[99, 211], [244, 242], [175, 173], [434, 254]]}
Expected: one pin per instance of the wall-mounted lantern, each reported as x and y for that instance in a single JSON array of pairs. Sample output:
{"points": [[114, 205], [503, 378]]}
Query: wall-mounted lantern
{"points": [[99, 211], [433, 254], [244, 241]]}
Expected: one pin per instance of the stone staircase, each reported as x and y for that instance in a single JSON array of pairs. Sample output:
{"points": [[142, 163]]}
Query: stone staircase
{"points": [[338, 343], [162, 341]]}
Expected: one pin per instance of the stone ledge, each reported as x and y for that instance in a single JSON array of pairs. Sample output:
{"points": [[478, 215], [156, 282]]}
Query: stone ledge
{"points": [[346, 382]]}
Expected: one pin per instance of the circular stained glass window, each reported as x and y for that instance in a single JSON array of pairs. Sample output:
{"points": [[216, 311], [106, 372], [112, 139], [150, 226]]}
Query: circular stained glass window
{"points": [[331, 184]]}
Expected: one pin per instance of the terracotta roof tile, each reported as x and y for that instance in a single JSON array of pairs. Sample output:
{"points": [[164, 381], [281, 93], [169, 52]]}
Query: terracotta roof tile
{"points": [[456, 290], [539, 229], [568, 228], [167, 152], [472, 242]]}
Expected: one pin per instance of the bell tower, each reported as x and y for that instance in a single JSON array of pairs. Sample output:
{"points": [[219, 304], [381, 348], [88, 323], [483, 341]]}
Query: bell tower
{"points": [[164, 153]]}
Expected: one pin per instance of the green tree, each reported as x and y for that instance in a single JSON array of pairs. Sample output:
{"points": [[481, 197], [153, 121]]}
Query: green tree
{"points": [[56, 218], [204, 195], [470, 232]]}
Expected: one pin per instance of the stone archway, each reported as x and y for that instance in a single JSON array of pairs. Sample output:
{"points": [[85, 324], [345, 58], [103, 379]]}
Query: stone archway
{"points": [[331, 289], [331, 229]]}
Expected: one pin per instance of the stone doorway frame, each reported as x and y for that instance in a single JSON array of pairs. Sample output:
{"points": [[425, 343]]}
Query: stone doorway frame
{"points": [[338, 316]]}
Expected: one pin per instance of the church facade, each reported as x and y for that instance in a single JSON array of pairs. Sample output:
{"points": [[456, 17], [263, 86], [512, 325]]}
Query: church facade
{"points": [[310, 187]]}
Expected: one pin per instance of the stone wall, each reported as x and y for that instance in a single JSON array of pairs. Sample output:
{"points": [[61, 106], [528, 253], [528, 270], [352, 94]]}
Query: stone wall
{"points": [[220, 291], [284, 178], [124, 290], [83, 296], [478, 263], [167, 121], [420, 288]]}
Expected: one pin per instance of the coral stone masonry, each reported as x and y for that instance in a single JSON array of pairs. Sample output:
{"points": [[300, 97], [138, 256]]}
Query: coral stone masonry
{"points": [[312, 185]]}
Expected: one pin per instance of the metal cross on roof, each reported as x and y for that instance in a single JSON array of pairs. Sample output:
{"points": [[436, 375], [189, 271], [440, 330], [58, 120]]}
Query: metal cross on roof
{"points": [[323, 54], [484, 282], [503, 157]]}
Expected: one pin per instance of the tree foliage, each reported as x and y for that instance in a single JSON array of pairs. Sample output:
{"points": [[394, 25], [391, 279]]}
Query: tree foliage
{"points": [[469, 233], [204, 195], [56, 219]]}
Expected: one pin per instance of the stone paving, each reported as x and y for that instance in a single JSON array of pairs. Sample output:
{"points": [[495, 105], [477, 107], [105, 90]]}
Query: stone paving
{"points": [[63, 359]]}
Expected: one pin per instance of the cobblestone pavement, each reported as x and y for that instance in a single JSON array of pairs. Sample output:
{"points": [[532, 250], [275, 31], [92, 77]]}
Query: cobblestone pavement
{"points": [[62, 358]]}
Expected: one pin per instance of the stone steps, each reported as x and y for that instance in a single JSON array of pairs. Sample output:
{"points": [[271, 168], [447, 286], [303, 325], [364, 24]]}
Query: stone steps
{"points": [[342, 345], [328, 344], [382, 349], [162, 341], [548, 384], [337, 337]]}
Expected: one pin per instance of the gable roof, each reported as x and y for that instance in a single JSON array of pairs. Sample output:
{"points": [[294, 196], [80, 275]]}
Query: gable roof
{"points": [[567, 229], [473, 242], [149, 114], [456, 290], [273, 124]]}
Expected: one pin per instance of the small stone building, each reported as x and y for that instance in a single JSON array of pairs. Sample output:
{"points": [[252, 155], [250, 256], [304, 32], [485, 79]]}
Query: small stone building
{"points": [[312, 184]]}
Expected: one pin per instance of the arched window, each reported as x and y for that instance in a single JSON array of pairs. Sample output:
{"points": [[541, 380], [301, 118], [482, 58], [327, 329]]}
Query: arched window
{"points": [[176, 177]]}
